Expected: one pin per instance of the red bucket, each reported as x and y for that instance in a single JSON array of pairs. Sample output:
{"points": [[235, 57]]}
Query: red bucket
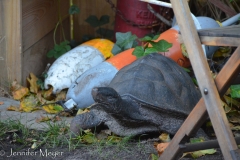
{"points": [[134, 16]]}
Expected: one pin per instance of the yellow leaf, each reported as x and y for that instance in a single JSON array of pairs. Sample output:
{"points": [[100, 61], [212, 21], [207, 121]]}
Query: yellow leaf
{"points": [[34, 145], [81, 111], [53, 108], [13, 108], [33, 83], [43, 100], [164, 137], [29, 104], [43, 119], [20, 93]]}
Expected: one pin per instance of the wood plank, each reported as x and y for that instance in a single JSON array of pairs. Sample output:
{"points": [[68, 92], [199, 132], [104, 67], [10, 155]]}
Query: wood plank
{"points": [[216, 41], [231, 31], [35, 59], [203, 75], [199, 113], [39, 17], [10, 41], [87, 8]]}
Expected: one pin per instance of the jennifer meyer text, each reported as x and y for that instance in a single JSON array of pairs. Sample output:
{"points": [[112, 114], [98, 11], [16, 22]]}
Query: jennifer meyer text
{"points": [[28, 152]]}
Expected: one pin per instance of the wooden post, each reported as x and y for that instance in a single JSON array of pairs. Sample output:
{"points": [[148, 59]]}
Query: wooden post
{"points": [[205, 80], [10, 41]]}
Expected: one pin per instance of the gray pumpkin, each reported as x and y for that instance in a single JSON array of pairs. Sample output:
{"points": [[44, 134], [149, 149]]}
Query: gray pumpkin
{"points": [[152, 94]]}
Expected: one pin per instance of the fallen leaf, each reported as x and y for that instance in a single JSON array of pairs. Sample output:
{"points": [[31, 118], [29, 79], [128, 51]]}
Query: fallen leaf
{"points": [[47, 94], [42, 100], [1, 103], [226, 107], [56, 118], [13, 108], [164, 137], [161, 147], [61, 95], [33, 83], [81, 111], [43, 119], [34, 145], [15, 86], [52, 108], [29, 104], [235, 128], [200, 153], [89, 138], [231, 101], [66, 114], [20, 93]]}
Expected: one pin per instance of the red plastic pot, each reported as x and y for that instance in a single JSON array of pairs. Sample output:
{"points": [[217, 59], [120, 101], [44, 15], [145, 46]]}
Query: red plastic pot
{"points": [[134, 16]]}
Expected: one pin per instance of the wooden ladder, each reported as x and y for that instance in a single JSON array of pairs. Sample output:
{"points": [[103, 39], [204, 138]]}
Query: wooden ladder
{"points": [[211, 90]]}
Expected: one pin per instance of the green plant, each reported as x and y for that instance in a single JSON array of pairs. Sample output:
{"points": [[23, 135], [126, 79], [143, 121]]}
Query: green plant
{"points": [[98, 23], [64, 46], [124, 41], [160, 46]]}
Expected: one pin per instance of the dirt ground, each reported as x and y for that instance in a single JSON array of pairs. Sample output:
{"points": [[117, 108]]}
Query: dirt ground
{"points": [[135, 149]]}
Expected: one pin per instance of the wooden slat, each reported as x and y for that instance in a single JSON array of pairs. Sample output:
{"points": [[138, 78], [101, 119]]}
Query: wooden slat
{"points": [[203, 75], [35, 59], [230, 31], [10, 41], [39, 17], [91, 7], [216, 41], [199, 113]]}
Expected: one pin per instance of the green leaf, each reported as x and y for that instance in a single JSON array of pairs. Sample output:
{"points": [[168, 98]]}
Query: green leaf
{"points": [[198, 154], [116, 49], [64, 43], [51, 53], [121, 37], [235, 91], [68, 48], [146, 39], [186, 69], [93, 21], [87, 38], [104, 20], [57, 47], [161, 46], [196, 140], [58, 108], [149, 51], [155, 37], [74, 9], [138, 51], [104, 32]]}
